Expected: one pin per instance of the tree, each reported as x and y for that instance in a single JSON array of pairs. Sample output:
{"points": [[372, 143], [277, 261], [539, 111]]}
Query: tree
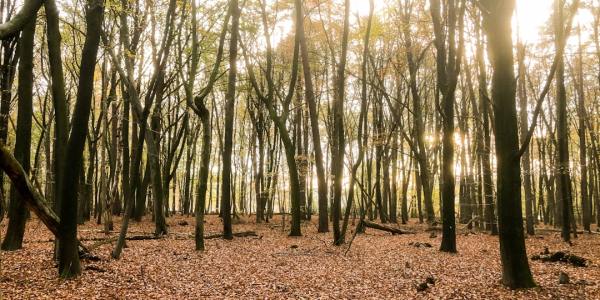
{"points": [[17, 212], [229, 116], [312, 109], [339, 139], [564, 176], [526, 160], [280, 119], [448, 68], [513, 255], [68, 255]]}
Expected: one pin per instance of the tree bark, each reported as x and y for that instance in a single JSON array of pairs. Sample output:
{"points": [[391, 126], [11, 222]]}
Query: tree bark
{"points": [[314, 122], [17, 213], [229, 118], [513, 254], [68, 255], [525, 160]]}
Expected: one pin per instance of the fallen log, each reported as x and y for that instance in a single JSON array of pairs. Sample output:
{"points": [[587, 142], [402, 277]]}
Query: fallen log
{"points": [[236, 234], [104, 241], [364, 223], [559, 231], [115, 238], [561, 256], [389, 229]]}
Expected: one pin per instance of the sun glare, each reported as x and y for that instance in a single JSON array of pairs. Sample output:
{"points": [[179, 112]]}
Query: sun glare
{"points": [[530, 17]]}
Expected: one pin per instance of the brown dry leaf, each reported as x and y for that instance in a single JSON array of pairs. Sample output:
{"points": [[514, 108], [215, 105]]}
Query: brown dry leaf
{"points": [[378, 265]]}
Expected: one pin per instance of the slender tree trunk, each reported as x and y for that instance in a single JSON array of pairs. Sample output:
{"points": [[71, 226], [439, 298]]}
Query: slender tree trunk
{"points": [[583, 184], [7, 72], [203, 178], [362, 121], [448, 66], [314, 122], [524, 126], [562, 128], [229, 118], [17, 213], [488, 185], [339, 142], [59, 99]]}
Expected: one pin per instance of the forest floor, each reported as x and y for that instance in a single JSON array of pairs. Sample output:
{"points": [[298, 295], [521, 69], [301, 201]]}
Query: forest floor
{"points": [[273, 265]]}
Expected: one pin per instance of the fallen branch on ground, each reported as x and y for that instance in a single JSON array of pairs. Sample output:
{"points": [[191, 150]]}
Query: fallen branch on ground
{"points": [[389, 229], [235, 234], [364, 223], [561, 256], [104, 241]]}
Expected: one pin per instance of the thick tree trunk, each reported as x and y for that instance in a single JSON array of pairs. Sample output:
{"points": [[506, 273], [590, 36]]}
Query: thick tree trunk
{"points": [[513, 254], [203, 178], [68, 265]]}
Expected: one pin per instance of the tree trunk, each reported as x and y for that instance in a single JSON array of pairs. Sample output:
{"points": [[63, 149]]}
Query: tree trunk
{"points": [[339, 142], [68, 251], [488, 185], [17, 213], [524, 126], [583, 184], [562, 129], [229, 118], [513, 255], [314, 119]]}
